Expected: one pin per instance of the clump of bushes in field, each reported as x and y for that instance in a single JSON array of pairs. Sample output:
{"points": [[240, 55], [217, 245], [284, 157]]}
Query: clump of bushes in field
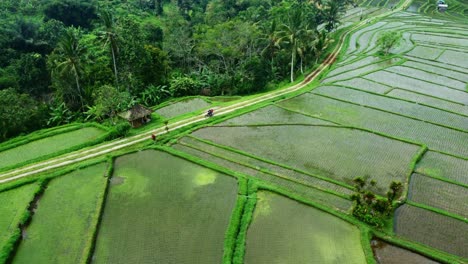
{"points": [[371, 209]]}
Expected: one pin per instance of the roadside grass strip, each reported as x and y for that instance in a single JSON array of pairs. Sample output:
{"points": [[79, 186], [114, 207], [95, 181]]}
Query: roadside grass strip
{"points": [[432, 77], [365, 85], [48, 146], [433, 229], [63, 225], [386, 253], [411, 84], [452, 107], [444, 167], [270, 115], [334, 152], [164, 209], [435, 137], [13, 211], [438, 194], [437, 68], [306, 188], [182, 107], [286, 231], [401, 107]]}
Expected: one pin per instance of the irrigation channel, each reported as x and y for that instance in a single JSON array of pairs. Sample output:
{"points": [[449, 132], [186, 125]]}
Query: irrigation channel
{"points": [[81, 155]]}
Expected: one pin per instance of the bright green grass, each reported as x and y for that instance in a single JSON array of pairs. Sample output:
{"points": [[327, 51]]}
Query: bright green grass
{"points": [[435, 137], [48, 145], [64, 221], [182, 107], [163, 209], [335, 152], [439, 194], [388, 254], [432, 229], [273, 115], [444, 166], [13, 204], [286, 231], [395, 106]]}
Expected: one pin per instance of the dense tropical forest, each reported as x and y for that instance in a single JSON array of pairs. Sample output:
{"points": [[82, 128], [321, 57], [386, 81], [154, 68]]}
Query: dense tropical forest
{"points": [[77, 60]]}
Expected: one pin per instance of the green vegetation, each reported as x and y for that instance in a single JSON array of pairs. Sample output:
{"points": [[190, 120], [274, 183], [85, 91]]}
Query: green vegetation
{"points": [[54, 237], [396, 120], [332, 152], [96, 58], [371, 209], [13, 213], [179, 211], [433, 229], [182, 107], [388, 40], [444, 167], [438, 194], [50, 146], [285, 231]]}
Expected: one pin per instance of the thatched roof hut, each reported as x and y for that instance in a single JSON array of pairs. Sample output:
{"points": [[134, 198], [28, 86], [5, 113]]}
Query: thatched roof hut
{"points": [[137, 115]]}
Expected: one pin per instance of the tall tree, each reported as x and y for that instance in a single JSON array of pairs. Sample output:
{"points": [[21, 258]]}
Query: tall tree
{"points": [[67, 60], [295, 32], [109, 35]]}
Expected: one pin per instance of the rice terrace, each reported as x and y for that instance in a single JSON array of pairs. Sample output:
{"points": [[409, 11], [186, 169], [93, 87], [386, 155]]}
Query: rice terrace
{"points": [[361, 158]]}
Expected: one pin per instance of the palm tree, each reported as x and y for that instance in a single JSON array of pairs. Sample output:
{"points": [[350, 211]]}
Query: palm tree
{"points": [[291, 31], [68, 60], [320, 44], [110, 37], [332, 12], [272, 41]]}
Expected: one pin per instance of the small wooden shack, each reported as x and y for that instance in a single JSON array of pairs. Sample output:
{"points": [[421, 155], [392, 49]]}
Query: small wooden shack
{"points": [[137, 116]]}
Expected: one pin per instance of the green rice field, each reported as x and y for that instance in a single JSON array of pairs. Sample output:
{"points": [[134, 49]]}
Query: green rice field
{"points": [[48, 146], [65, 237], [445, 167], [432, 229], [286, 231], [271, 115], [438, 194], [182, 107], [338, 153], [273, 182], [179, 212], [387, 254], [14, 204]]}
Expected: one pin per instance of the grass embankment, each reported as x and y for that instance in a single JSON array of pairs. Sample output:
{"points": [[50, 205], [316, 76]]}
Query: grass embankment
{"points": [[43, 146], [162, 209], [63, 225], [13, 212]]}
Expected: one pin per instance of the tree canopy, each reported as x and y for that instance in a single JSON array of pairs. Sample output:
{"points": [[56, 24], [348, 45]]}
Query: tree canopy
{"points": [[65, 54]]}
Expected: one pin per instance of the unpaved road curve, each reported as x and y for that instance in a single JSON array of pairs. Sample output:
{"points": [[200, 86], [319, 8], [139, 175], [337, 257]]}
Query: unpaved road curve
{"points": [[96, 151]]}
